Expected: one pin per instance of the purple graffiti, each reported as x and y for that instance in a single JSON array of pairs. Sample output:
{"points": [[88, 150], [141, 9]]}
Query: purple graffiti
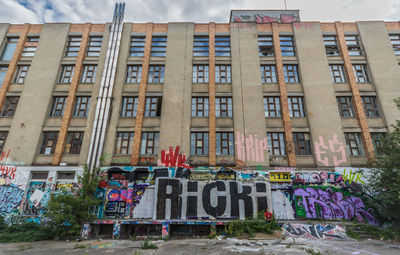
{"points": [[10, 197]]}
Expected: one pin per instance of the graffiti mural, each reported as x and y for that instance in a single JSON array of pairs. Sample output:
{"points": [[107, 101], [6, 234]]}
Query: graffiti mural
{"points": [[250, 148], [267, 16], [321, 148], [319, 231], [10, 198]]}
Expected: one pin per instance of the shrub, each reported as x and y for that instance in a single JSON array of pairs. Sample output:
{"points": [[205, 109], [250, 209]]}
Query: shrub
{"points": [[148, 245]]}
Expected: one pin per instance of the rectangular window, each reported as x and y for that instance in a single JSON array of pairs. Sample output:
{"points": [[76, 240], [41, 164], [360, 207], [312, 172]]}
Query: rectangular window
{"points": [[302, 143], [276, 143], [133, 74], [94, 46], [58, 106], [156, 74], [49, 142], [223, 74], [199, 106], [10, 105], [89, 73], [159, 46], [272, 107], [129, 107], [73, 45], [268, 74], [291, 74], [222, 46], [287, 45], [345, 105], [9, 49], [137, 46], [296, 107], [200, 46], [395, 40], [3, 137], [354, 144], [124, 143], [3, 72], [82, 105], [65, 176], [74, 143], [153, 107], [199, 143], [30, 46], [223, 107], [337, 73], [353, 45], [20, 74], [377, 141], [149, 143], [200, 74], [67, 72], [225, 143], [265, 45], [370, 105], [331, 45], [361, 73]]}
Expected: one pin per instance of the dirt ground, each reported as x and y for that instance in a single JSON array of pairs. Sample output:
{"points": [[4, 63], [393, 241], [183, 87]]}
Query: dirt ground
{"points": [[204, 246]]}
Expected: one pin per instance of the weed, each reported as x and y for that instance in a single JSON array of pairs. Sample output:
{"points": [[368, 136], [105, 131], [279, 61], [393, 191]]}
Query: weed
{"points": [[79, 246], [350, 233], [212, 236], [147, 245], [312, 252], [137, 253], [23, 247]]}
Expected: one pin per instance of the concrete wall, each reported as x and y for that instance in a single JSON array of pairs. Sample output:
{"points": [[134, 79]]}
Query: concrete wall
{"points": [[3, 38]]}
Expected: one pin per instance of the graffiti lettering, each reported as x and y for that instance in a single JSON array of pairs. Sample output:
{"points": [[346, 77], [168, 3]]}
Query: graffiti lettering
{"points": [[314, 231], [319, 145], [173, 158], [10, 197], [250, 148]]}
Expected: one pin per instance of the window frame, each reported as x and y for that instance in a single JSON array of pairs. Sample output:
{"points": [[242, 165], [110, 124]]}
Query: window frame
{"points": [[265, 45], [11, 45], [200, 107], [10, 106], [46, 139], [222, 45], [331, 45], [129, 106], [349, 106], [144, 144], [20, 74], [272, 107], [30, 46], [201, 46], [395, 41], [361, 73], [337, 73], [66, 74], [158, 46], [287, 45], [223, 74], [296, 102], [133, 74], [150, 111], [204, 148], [156, 74], [73, 142], [94, 46], [227, 104], [3, 139], [58, 106], [202, 69], [137, 44], [88, 74], [228, 146], [123, 137], [371, 107], [353, 45], [302, 143], [268, 74], [73, 46], [358, 149], [276, 145], [291, 76], [82, 106]]}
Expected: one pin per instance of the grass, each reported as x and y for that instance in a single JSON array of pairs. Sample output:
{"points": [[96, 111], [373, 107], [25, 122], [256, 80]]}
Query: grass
{"points": [[381, 233], [312, 252], [148, 245], [350, 233], [79, 246], [23, 247], [137, 253]]}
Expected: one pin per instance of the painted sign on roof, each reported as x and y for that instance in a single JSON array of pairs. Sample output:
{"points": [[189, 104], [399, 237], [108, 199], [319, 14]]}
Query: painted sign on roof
{"points": [[264, 16]]}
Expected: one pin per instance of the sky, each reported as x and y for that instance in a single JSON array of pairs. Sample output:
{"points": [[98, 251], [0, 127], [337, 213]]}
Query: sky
{"points": [[162, 11]]}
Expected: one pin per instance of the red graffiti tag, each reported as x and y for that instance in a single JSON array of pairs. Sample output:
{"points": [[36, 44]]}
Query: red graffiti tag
{"points": [[173, 158]]}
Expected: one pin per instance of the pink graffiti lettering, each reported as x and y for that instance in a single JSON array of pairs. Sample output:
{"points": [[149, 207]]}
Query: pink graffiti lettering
{"points": [[251, 148], [334, 146]]}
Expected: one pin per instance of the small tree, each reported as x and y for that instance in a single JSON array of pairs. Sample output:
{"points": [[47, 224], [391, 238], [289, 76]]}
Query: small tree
{"points": [[69, 210]]}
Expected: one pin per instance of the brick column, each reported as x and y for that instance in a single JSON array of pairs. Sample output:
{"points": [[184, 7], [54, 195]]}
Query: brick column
{"points": [[142, 96], [13, 64], [69, 107], [211, 96], [287, 124], [362, 120]]}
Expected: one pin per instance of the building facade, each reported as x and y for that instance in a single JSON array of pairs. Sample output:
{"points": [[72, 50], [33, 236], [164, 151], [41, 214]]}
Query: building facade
{"points": [[281, 96]]}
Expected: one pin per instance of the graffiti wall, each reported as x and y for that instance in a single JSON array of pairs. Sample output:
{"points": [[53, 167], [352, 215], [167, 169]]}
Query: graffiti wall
{"points": [[318, 231]]}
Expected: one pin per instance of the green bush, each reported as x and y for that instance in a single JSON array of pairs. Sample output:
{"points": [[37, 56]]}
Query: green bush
{"points": [[28, 232], [382, 233], [148, 245], [350, 233]]}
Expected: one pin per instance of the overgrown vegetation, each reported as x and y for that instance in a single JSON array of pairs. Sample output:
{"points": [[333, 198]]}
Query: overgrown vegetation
{"points": [[382, 233], [28, 232], [247, 228], [350, 233], [146, 244]]}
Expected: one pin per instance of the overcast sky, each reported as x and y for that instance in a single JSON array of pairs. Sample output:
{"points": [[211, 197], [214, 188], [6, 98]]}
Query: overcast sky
{"points": [[100, 11]]}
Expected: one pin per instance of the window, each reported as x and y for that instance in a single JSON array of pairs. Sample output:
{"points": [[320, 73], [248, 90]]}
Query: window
{"points": [[331, 45], [345, 105], [302, 143], [276, 143], [223, 107], [40, 176], [223, 74], [337, 73], [268, 74], [94, 46], [3, 72], [265, 45], [200, 46], [67, 72], [49, 142], [153, 107], [200, 107], [395, 40], [137, 46], [222, 46], [149, 143], [30, 46], [287, 45], [9, 49], [73, 45], [377, 141], [200, 73], [296, 107], [74, 143], [199, 143], [9, 107], [133, 74], [58, 106], [272, 107], [370, 105], [354, 144], [361, 73], [159, 46], [291, 74], [353, 45], [20, 74], [129, 107], [156, 74], [81, 106], [224, 143], [3, 137], [88, 73], [65, 176], [124, 143]]}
